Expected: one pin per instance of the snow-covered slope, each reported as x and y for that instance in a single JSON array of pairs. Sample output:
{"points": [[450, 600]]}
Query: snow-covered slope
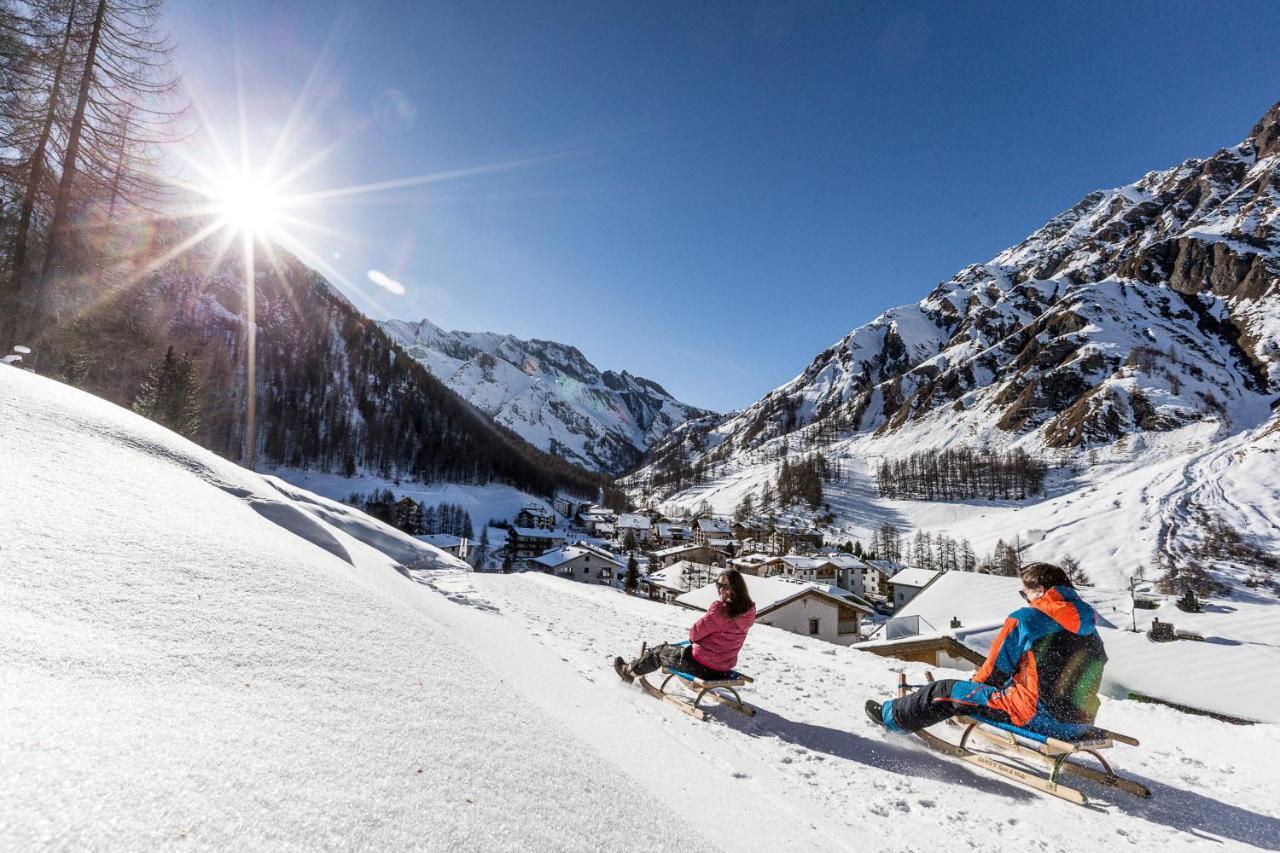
{"points": [[548, 393], [1142, 326], [196, 656]]}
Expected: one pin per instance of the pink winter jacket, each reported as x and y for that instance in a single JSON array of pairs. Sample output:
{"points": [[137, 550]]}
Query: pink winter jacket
{"points": [[717, 637]]}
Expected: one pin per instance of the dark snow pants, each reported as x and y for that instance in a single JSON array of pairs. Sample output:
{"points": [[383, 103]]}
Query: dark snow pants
{"points": [[938, 701], [674, 657]]}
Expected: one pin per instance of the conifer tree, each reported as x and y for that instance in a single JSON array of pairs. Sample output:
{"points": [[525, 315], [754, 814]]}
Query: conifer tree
{"points": [[631, 581], [170, 395]]}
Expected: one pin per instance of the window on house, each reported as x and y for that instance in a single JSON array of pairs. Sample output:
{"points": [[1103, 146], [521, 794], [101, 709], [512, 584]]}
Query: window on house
{"points": [[814, 625]]}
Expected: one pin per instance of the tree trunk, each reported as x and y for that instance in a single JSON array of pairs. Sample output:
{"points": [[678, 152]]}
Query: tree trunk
{"points": [[18, 263], [37, 158], [63, 202]]}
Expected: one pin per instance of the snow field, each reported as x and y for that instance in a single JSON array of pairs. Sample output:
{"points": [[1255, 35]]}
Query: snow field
{"points": [[194, 655], [810, 749], [178, 668]]}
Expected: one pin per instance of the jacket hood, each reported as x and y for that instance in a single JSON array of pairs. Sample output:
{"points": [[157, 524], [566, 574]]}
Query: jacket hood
{"points": [[1063, 605]]}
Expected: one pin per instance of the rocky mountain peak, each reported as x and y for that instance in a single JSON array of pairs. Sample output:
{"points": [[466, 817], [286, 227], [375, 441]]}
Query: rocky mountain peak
{"points": [[549, 393], [1265, 135]]}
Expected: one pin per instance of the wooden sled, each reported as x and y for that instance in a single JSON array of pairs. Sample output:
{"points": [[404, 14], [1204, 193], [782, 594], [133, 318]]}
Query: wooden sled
{"points": [[1054, 754], [723, 691]]}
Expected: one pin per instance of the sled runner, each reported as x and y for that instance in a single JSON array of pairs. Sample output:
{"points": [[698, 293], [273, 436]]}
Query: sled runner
{"points": [[1053, 754], [723, 691]]}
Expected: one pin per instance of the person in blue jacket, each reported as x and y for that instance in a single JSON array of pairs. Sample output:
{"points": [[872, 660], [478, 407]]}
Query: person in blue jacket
{"points": [[1042, 673]]}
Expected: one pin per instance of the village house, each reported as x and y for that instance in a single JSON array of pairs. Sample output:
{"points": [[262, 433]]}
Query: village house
{"points": [[706, 529], [810, 609], [749, 564], [670, 533], [597, 521], [569, 507], [693, 553], [535, 515], [447, 542], [525, 543], [907, 584], [678, 578], [875, 576], [580, 562], [794, 540], [635, 524]]}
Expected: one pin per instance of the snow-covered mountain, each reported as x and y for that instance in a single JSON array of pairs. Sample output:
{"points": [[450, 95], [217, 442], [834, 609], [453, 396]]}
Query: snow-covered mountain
{"points": [[549, 394], [1146, 315], [196, 656]]}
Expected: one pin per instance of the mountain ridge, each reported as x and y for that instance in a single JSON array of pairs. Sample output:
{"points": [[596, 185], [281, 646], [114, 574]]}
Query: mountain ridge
{"points": [[549, 393], [1139, 311]]}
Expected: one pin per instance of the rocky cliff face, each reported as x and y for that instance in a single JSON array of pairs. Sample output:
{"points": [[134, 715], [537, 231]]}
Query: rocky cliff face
{"points": [[549, 394], [1139, 309]]}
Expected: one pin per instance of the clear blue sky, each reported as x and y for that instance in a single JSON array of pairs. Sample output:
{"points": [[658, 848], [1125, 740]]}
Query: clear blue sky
{"points": [[709, 194]]}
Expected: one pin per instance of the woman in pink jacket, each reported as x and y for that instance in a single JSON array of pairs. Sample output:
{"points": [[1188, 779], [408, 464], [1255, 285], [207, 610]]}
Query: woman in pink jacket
{"points": [[715, 639]]}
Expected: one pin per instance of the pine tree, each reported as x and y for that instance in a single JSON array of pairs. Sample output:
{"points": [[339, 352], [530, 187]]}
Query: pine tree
{"points": [[631, 581], [468, 531], [170, 395], [481, 554]]}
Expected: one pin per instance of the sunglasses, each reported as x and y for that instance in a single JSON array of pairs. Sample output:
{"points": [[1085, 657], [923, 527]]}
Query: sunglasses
{"points": [[722, 585]]}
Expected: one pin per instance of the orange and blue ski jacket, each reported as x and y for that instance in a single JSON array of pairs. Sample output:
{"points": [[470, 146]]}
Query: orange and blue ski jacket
{"points": [[1047, 661]]}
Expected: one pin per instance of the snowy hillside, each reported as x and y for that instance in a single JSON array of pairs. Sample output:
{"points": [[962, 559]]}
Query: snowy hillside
{"points": [[194, 655], [1137, 332], [548, 393]]}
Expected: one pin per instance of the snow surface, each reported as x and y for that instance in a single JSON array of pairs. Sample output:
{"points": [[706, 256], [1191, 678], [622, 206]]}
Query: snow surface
{"points": [[197, 656]]}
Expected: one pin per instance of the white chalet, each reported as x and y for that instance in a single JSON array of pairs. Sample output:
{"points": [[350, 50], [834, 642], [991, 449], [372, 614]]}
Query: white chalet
{"points": [[637, 525], [814, 610], [580, 562], [908, 583], [705, 529]]}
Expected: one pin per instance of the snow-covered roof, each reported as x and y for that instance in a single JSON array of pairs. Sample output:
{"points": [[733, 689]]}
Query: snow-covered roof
{"points": [[770, 593], [886, 567], [977, 600], [750, 560], [537, 509], [560, 556], [679, 549], [844, 561], [605, 527], [537, 533], [918, 578], [714, 525], [633, 521], [679, 576], [440, 540], [719, 542]]}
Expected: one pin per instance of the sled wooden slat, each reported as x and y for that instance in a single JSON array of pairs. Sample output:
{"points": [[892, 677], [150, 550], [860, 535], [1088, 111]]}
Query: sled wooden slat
{"points": [[1054, 754]]}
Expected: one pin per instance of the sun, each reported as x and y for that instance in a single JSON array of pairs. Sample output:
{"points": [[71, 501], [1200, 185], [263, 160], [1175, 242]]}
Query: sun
{"points": [[248, 204]]}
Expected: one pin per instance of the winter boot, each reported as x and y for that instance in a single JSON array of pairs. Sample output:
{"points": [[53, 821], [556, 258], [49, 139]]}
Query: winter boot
{"points": [[623, 669], [875, 713]]}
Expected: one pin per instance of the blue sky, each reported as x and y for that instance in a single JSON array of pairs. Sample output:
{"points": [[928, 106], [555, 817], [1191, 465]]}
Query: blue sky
{"points": [[709, 194]]}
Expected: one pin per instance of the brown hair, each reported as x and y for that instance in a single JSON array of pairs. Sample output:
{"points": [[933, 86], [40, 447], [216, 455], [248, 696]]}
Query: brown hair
{"points": [[739, 599], [1044, 575]]}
